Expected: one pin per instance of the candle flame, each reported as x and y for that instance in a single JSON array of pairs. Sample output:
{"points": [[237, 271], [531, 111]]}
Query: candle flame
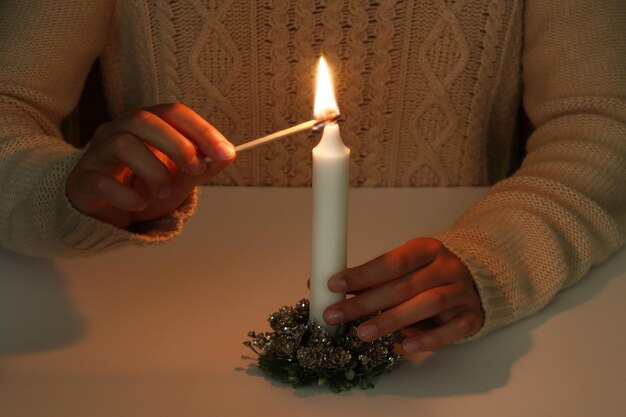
{"points": [[325, 102]]}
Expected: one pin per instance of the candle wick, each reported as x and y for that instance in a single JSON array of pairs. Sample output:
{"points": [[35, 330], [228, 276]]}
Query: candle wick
{"points": [[331, 118]]}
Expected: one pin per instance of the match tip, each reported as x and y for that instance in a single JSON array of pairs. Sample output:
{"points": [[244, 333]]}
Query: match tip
{"points": [[330, 118]]}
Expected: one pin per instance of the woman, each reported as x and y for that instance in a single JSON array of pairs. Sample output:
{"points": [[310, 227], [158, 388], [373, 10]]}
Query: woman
{"points": [[430, 91]]}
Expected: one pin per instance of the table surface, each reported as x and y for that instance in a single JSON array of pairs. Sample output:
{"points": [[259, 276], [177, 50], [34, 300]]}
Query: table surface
{"points": [[157, 331]]}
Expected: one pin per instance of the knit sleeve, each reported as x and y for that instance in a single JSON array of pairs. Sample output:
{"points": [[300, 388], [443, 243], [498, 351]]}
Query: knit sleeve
{"points": [[46, 50], [564, 211]]}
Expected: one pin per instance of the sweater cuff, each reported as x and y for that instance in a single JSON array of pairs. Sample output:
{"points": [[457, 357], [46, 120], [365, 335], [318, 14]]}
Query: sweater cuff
{"points": [[83, 235], [497, 309]]}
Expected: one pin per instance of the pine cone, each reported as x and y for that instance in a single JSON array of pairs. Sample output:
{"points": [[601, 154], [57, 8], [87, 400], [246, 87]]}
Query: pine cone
{"points": [[282, 319], [283, 346], [353, 342], [320, 337], [310, 357], [335, 358], [374, 355], [262, 342], [302, 311]]}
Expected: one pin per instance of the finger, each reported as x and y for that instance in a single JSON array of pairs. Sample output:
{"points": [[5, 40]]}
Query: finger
{"points": [[133, 153], [430, 323], [462, 326], [214, 168], [394, 264], [421, 307], [385, 296], [153, 130], [447, 316], [102, 187], [418, 327], [209, 140], [182, 183]]}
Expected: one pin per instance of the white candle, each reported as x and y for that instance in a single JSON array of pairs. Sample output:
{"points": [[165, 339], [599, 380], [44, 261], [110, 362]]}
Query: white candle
{"points": [[331, 159]]}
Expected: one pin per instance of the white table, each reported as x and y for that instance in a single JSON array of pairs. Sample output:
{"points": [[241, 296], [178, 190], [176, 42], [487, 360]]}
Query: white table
{"points": [[158, 331]]}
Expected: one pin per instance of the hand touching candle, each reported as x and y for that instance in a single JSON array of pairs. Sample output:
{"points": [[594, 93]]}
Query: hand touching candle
{"points": [[421, 288], [330, 201]]}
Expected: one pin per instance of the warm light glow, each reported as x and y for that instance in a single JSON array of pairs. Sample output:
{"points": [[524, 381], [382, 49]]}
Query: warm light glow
{"points": [[325, 102]]}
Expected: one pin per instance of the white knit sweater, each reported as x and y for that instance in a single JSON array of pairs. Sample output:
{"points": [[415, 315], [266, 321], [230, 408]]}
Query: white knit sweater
{"points": [[430, 93]]}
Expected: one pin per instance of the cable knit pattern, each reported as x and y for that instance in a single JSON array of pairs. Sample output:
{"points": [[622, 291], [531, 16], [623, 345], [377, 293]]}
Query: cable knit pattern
{"points": [[441, 58], [299, 172], [165, 32], [376, 162], [430, 96], [477, 125], [280, 89], [410, 71]]}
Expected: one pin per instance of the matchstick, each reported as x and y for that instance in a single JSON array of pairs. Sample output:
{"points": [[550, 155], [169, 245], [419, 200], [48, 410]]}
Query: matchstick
{"points": [[311, 124]]}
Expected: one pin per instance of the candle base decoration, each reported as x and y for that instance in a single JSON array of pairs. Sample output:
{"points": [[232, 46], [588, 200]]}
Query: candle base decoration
{"points": [[300, 353]]}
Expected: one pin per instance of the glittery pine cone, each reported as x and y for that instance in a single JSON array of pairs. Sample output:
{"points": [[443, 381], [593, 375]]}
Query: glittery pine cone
{"points": [[260, 342], [310, 357], [337, 357], [374, 355], [284, 346], [301, 314], [283, 319], [320, 337], [353, 342]]}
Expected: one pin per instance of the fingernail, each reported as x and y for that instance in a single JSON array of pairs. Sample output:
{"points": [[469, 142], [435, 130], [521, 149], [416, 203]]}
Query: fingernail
{"points": [[411, 345], [197, 166], [333, 316], [368, 332], [165, 191], [337, 284], [225, 151]]}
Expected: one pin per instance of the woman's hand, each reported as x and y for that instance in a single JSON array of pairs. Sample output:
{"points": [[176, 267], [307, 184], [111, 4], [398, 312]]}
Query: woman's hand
{"points": [[143, 166], [418, 283]]}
